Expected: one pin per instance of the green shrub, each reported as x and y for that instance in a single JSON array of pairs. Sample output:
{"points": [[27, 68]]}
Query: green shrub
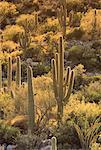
{"points": [[8, 134], [92, 93], [7, 104], [76, 33], [40, 70]]}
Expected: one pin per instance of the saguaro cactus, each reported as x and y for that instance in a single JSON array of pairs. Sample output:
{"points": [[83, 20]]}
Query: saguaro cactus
{"points": [[0, 75], [9, 73], [18, 71], [54, 143], [62, 84], [36, 21], [31, 109], [62, 15], [71, 15]]}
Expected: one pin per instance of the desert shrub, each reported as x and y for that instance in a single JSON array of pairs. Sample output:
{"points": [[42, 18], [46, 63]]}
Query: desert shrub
{"points": [[35, 52], [76, 33], [91, 25], [8, 134], [76, 19], [81, 113], [88, 79], [12, 32], [40, 70], [27, 21], [96, 146], [75, 5], [96, 45], [7, 104], [79, 73], [9, 46], [7, 11], [75, 53], [92, 93], [51, 25]]}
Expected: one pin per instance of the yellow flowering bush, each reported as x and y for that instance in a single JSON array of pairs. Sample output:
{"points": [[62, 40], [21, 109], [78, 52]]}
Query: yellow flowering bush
{"points": [[90, 25], [11, 32]]}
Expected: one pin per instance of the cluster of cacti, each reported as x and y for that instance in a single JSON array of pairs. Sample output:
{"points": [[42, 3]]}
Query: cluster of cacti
{"points": [[31, 110], [62, 15], [62, 84]]}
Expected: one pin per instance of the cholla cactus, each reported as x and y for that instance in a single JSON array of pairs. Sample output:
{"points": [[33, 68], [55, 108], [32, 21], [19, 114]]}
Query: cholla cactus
{"points": [[9, 73], [54, 143], [18, 71], [62, 15], [31, 109], [62, 88]]}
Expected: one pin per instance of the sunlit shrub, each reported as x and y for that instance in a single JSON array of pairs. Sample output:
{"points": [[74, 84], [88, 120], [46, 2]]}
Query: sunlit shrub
{"points": [[92, 93], [7, 11], [27, 21], [91, 24], [7, 104], [9, 46], [12, 32], [51, 25]]}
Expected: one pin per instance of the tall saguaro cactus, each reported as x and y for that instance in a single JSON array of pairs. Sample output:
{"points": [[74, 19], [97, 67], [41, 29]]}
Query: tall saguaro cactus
{"points": [[0, 75], [31, 109], [62, 15], [62, 84], [9, 73], [18, 71]]}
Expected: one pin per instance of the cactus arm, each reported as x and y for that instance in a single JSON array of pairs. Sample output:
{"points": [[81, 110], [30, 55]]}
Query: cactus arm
{"points": [[67, 76], [69, 88], [57, 66], [31, 111], [54, 77], [18, 72]]}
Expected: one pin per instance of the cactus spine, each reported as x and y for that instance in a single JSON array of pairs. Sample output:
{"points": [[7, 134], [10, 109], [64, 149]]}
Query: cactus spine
{"points": [[62, 88], [31, 111], [54, 143], [62, 15], [0, 75], [9, 76], [18, 72]]}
